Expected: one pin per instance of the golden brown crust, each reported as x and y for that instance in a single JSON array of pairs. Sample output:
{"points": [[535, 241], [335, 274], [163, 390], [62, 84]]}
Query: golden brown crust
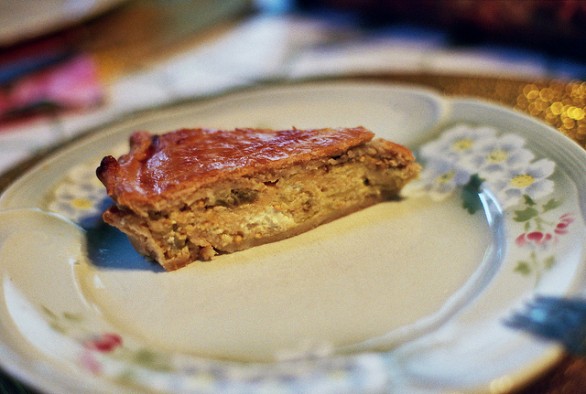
{"points": [[154, 169]]}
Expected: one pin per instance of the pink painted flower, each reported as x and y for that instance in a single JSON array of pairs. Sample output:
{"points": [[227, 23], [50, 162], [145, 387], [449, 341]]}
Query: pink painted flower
{"points": [[562, 226], [104, 343], [534, 239], [89, 362]]}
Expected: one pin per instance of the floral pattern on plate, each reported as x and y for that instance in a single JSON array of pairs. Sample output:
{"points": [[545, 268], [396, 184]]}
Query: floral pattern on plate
{"points": [[98, 349], [109, 354], [541, 232], [470, 157], [81, 196], [473, 159]]}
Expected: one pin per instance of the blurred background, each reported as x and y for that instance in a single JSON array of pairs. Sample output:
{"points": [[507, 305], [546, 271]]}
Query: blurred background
{"points": [[67, 66], [555, 28]]}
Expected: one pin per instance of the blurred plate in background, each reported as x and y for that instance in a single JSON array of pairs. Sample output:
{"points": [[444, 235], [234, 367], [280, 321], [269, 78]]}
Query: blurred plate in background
{"points": [[25, 19]]}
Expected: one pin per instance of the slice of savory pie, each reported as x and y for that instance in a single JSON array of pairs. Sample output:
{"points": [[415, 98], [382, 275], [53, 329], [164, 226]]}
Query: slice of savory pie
{"points": [[193, 193]]}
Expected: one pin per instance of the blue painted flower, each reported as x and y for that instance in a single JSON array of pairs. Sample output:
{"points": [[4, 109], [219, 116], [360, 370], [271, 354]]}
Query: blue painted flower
{"points": [[81, 195], [530, 180], [458, 142], [498, 156], [502, 163], [438, 179]]}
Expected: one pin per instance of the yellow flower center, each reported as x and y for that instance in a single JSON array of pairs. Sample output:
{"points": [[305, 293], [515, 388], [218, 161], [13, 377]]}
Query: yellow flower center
{"points": [[497, 156], [522, 181], [81, 203], [463, 144], [445, 178]]}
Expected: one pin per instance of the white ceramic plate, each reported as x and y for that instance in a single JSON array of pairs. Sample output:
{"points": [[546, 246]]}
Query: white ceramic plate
{"points": [[24, 19], [411, 296]]}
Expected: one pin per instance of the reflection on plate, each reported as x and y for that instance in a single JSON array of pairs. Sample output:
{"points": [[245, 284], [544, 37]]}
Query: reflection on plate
{"points": [[408, 296], [24, 19]]}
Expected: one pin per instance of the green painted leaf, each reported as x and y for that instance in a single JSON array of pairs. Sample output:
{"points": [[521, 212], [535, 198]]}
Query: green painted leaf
{"points": [[549, 262], [151, 360], [523, 268], [57, 327], [551, 204], [526, 214], [470, 194], [528, 200], [126, 377], [48, 312], [72, 316]]}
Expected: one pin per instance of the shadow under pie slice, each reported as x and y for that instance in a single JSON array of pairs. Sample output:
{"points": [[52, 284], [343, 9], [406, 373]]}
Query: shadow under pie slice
{"points": [[194, 193]]}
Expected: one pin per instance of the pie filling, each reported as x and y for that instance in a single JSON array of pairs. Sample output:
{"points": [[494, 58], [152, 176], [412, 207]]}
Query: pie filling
{"points": [[249, 211]]}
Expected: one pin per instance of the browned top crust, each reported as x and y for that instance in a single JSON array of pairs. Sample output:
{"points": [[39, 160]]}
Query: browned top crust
{"points": [[157, 166]]}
